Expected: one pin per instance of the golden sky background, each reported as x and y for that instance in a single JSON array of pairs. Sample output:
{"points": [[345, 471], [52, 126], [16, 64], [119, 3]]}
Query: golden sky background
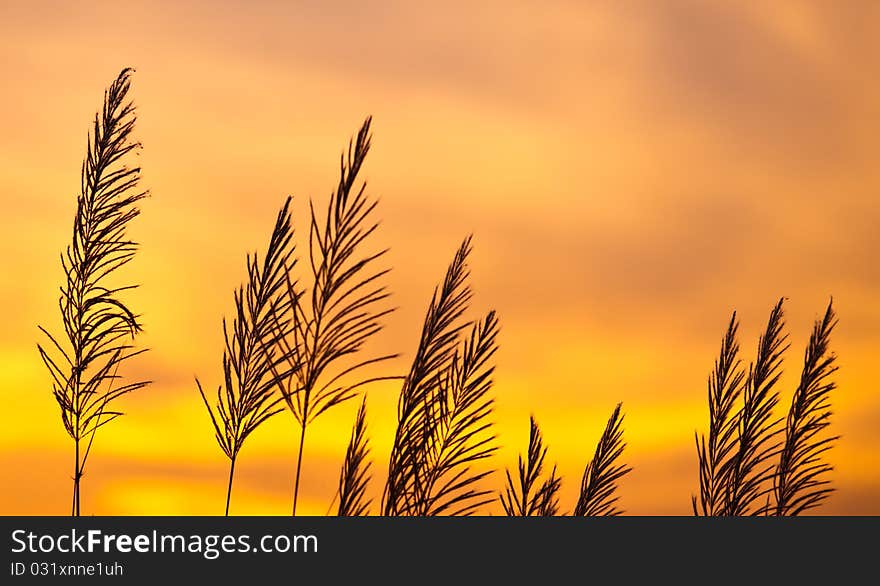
{"points": [[632, 172]]}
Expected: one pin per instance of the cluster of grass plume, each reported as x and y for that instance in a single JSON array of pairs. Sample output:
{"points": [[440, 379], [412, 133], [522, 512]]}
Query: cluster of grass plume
{"points": [[298, 341], [444, 429], [341, 309], [752, 461], [534, 493]]}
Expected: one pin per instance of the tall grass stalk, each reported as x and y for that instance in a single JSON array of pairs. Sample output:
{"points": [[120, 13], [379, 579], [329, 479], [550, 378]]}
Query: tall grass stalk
{"points": [[99, 327], [355, 474], [759, 428], [254, 361], [801, 482], [716, 452], [443, 428], [530, 495], [342, 310], [752, 463], [599, 483]]}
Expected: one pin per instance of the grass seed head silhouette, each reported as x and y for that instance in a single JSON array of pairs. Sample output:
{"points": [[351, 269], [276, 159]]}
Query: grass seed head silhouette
{"points": [[458, 430], [99, 326], [254, 360], [306, 341], [752, 464], [531, 496], [716, 452], [801, 482], [599, 483], [443, 426], [751, 472], [355, 474], [344, 308]]}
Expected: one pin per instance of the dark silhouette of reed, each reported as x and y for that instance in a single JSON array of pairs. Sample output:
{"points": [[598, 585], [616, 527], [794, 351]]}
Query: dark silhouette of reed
{"points": [[759, 430], [715, 452], [597, 497], [752, 463], [355, 474], [99, 327], [801, 481], [254, 360], [532, 496], [443, 427], [444, 430], [306, 341], [344, 307]]}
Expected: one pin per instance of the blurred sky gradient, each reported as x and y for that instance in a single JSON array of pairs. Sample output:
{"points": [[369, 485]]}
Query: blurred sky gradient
{"points": [[631, 171]]}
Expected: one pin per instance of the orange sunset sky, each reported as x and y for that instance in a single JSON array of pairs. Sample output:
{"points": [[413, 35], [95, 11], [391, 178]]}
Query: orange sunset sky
{"points": [[631, 172]]}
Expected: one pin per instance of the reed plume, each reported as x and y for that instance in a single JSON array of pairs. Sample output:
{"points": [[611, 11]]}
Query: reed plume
{"points": [[344, 308], [758, 443], [548, 496], [599, 483], [765, 467], [440, 330], [801, 482], [355, 474], [99, 326], [716, 452], [443, 425], [458, 430], [530, 495], [254, 360]]}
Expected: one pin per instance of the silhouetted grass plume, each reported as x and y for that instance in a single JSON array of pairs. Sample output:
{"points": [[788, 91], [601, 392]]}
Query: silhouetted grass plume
{"points": [[355, 474], [458, 431], [531, 495], [99, 327], [433, 355], [599, 483], [752, 464], [254, 360], [716, 452], [443, 427], [801, 482], [758, 442], [307, 337], [344, 307]]}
